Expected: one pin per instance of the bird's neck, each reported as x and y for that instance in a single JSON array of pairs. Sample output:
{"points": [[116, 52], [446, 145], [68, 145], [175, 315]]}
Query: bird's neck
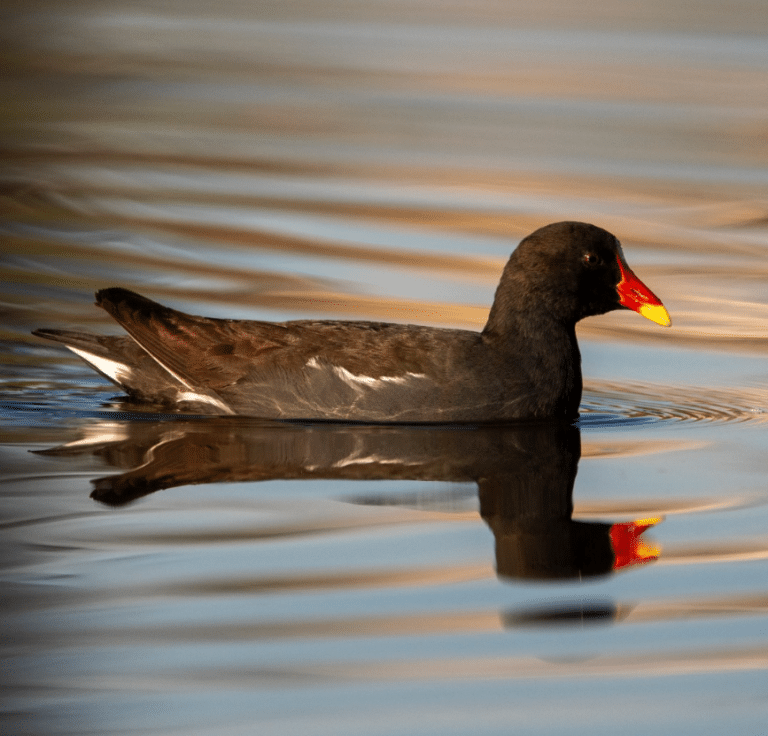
{"points": [[546, 351]]}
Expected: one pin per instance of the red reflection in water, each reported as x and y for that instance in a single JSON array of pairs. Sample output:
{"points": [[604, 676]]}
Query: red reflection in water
{"points": [[628, 547]]}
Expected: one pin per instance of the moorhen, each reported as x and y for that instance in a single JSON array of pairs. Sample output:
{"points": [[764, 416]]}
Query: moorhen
{"points": [[525, 364]]}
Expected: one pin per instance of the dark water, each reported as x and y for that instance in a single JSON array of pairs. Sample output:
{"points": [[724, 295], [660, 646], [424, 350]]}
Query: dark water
{"points": [[170, 574]]}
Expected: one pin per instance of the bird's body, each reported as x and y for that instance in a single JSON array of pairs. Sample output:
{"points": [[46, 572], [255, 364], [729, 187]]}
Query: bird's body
{"points": [[525, 364]]}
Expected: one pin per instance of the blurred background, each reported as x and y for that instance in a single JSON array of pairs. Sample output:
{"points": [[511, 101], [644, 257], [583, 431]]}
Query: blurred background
{"points": [[380, 159]]}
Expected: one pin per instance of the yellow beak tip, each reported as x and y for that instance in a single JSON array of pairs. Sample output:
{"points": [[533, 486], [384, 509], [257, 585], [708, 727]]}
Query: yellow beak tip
{"points": [[656, 313]]}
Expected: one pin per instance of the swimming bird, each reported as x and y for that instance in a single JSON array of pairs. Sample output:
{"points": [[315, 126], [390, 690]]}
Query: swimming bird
{"points": [[524, 365]]}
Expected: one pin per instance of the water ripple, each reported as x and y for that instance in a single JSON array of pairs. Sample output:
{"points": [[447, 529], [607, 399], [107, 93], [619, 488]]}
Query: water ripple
{"points": [[604, 404], [619, 405]]}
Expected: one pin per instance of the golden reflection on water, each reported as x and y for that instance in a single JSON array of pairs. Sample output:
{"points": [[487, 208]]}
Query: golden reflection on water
{"points": [[700, 319], [655, 664], [280, 161], [281, 121]]}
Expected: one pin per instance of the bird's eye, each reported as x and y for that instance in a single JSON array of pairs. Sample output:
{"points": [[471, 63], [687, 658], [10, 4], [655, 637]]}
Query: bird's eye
{"points": [[590, 259]]}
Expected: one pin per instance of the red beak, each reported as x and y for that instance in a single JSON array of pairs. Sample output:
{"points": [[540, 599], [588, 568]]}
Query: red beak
{"points": [[635, 295], [628, 548]]}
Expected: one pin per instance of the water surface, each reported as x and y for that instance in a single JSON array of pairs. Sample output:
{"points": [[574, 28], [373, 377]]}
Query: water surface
{"points": [[175, 574]]}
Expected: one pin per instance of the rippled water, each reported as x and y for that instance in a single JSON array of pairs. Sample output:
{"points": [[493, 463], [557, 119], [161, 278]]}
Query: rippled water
{"points": [[174, 574]]}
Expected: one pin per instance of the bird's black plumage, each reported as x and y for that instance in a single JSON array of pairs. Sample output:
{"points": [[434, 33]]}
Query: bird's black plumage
{"points": [[525, 364]]}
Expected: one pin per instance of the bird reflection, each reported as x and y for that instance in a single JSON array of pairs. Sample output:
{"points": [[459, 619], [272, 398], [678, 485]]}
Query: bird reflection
{"points": [[524, 473]]}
